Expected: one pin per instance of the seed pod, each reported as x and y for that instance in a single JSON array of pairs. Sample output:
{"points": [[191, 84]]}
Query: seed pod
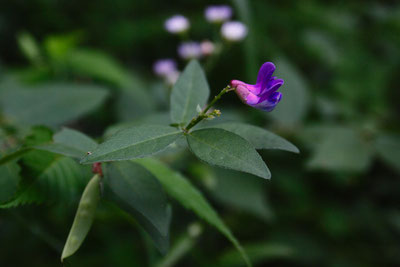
{"points": [[83, 218]]}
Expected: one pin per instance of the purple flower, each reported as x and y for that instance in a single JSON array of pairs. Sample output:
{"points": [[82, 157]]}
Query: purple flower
{"points": [[262, 95], [177, 24], [218, 14], [163, 67], [189, 50]]}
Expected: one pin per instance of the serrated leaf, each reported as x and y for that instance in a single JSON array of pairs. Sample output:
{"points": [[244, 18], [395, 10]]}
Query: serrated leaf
{"points": [[51, 178], [341, 148], [135, 142], [70, 143], [84, 217], [139, 193], [183, 191], [50, 104], [388, 148], [226, 149], [189, 91], [9, 180], [258, 137]]}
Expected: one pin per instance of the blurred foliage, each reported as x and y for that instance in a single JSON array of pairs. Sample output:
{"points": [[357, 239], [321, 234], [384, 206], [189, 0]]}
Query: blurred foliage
{"points": [[87, 65]]}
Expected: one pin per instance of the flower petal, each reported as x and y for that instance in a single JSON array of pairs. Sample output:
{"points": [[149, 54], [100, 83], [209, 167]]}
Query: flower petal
{"points": [[269, 103], [274, 84], [264, 75]]}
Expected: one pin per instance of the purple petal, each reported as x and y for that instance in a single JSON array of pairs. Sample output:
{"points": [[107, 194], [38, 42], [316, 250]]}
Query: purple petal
{"points": [[274, 84], [269, 103], [264, 75]]}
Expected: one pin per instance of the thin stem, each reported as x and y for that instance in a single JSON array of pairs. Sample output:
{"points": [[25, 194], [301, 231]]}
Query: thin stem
{"points": [[203, 115]]}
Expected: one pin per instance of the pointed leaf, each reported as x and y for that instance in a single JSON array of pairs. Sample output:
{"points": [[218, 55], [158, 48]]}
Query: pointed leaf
{"points": [[134, 142], [139, 193], [69, 142], [258, 137], [84, 217], [226, 149], [182, 190], [190, 90]]}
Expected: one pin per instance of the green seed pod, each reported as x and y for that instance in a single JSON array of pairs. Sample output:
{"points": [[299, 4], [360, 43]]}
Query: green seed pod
{"points": [[83, 218]]}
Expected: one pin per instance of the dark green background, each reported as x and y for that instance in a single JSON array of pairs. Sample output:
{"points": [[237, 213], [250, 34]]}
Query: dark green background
{"points": [[335, 204]]}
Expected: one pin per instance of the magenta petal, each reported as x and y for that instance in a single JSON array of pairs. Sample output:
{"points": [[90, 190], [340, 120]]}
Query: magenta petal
{"points": [[264, 74]]}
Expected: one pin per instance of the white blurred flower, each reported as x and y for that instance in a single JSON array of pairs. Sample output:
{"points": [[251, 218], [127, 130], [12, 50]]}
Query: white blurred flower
{"points": [[163, 67], [218, 14], [172, 77], [189, 50], [207, 48], [234, 31], [177, 24]]}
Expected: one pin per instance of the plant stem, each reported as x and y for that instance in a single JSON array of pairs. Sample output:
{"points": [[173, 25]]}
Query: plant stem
{"points": [[203, 115]]}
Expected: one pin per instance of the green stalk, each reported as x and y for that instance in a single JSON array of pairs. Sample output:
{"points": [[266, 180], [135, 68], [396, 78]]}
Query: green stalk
{"points": [[203, 115]]}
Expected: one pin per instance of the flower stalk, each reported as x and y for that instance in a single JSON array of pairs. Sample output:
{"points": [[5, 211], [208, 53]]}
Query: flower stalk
{"points": [[203, 115]]}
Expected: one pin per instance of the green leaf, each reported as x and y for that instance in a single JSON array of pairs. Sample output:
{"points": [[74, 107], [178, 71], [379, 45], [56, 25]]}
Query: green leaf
{"points": [[295, 100], [139, 193], [135, 142], [9, 180], [51, 104], [58, 46], [133, 99], [29, 48], [14, 155], [182, 246], [191, 90], [222, 148], [84, 217], [162, 118], [259, 253], [241, 191], [133, 102], [341, 149], [388, 148], [258, 137], [98, 65], [182, 190], [51, 178], [70, 143]]}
